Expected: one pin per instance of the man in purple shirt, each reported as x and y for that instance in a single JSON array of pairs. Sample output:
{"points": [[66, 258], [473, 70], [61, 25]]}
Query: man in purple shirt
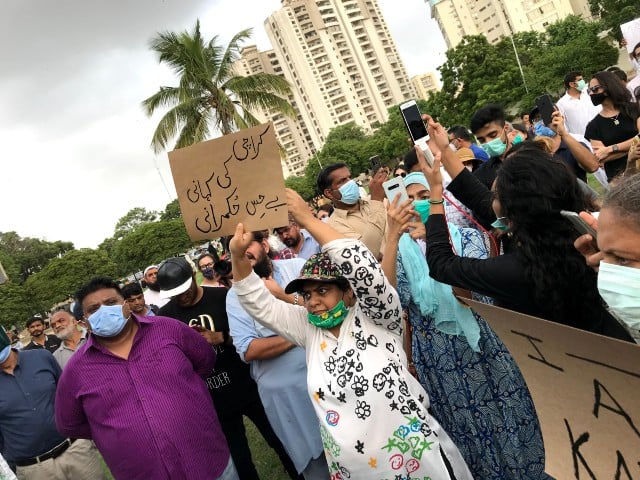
{"points": [[135, 388]]}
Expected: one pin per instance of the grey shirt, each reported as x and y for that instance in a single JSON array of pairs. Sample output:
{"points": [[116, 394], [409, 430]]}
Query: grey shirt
{"points": [[63, 353]]}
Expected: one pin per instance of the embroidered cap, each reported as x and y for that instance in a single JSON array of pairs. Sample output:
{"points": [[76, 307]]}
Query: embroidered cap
{"points": [[318, 268]]}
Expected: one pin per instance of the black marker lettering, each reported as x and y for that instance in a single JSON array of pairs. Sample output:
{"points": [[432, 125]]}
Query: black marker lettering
{"points": [[598, 387], [622, 464], [542, 358], [575, 452]]}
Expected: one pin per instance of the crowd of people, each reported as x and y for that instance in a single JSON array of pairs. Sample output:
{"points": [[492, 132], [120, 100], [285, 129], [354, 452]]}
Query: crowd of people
{"points": [[343, 335]]}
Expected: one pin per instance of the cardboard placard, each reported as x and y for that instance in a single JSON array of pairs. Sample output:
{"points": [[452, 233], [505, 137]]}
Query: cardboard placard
{"points": [[232, 179], [631, 33], [586, 389]]}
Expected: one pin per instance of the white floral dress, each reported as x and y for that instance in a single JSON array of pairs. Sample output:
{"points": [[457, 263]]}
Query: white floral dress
{"points": [[373, 414]]}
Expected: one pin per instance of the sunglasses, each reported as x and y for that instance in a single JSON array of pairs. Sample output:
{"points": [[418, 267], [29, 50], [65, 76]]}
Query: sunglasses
{"points": [[401, 174], [594, 89]]}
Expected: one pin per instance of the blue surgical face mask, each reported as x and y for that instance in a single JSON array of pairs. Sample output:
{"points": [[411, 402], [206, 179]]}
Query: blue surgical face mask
{"points": [[619, 286], [495, 147], [350, 192], [4, 353], [542, 130], [423, 207], [501, 224], [107, 321]]}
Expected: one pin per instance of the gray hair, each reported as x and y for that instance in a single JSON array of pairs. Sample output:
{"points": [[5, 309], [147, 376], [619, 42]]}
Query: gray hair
{"points": [[624, 198]]}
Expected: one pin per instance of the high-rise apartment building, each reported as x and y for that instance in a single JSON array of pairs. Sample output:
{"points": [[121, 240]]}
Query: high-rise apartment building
{"points": [[292, 133], [341, 61], [425, 84], [497, 18]]}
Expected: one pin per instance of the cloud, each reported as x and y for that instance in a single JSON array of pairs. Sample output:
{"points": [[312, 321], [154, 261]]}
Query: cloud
{"points": [[75, 141]]}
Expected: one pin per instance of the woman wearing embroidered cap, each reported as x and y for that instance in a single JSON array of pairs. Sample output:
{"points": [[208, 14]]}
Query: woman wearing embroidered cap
{"points": [[474, 385], [373, 414]]}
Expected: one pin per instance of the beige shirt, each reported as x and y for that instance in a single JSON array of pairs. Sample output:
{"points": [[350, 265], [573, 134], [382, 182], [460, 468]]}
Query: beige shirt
{"points": [[367, 224]]}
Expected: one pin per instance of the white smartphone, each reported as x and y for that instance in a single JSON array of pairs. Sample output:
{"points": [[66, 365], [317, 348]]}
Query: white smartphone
{"points": [[416, 127], [394, 187], [579, 224]]}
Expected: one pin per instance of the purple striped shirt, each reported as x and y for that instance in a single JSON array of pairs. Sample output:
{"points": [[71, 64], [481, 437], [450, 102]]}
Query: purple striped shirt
{"points": [[151, 415]]}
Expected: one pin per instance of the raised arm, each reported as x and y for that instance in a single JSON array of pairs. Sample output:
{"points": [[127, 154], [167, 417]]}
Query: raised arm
{"points": [[290, 321]]}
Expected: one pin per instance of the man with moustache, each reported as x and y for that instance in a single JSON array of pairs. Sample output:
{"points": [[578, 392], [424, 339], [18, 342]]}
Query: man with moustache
{"points": [[232, 389], [152, 293], [134, 298], [135, 388], [39, 339], [278, 366], [301, 243], [72, 335]]}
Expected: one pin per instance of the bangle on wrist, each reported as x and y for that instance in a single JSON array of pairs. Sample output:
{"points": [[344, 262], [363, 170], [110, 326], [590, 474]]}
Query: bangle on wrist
{"points": [[615, 148], [296, 297], [436, 202]]}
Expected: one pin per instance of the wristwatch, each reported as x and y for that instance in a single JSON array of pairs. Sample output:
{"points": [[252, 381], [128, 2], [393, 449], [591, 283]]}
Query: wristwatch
{"points": [[615, 148]]}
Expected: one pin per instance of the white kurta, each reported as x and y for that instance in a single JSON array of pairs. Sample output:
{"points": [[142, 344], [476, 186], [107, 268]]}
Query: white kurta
{"points": [[373, 414]]}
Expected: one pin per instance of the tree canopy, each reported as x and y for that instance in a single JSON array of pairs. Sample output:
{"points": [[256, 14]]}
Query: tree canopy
{"points": [[210, 94], [613, 13]]}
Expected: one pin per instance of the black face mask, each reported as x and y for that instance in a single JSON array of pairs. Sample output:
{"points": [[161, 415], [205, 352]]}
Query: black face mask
{"points": [[263, 267], [598, 98]]}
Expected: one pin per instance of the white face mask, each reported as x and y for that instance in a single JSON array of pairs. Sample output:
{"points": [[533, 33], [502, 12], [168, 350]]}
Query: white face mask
{"points": [[469, 167], [620, 287]]}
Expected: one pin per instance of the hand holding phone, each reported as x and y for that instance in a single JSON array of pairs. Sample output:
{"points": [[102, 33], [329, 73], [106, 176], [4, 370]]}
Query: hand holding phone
{"points": [[416, 127], [394, 187], [546, 108], [579, 224]]}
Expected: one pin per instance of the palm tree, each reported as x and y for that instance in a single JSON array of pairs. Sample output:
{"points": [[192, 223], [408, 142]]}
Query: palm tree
{"points": [[210, 95]]}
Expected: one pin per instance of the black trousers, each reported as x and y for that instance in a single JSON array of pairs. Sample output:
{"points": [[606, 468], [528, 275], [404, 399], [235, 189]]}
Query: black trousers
{"points": [[233, 428]]}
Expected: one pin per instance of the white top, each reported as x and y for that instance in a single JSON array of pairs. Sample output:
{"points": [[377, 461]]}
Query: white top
{"points": [[373, 414], [151, 297], [633, 84], [577, 113]]}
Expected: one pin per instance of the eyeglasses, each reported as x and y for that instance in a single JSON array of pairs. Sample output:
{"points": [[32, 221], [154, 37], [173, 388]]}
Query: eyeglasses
{"points": [[594, 89], [206, 265]]}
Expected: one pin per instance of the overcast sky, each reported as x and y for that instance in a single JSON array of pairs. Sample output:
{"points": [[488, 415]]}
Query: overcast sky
{"points": [[75, 141]]}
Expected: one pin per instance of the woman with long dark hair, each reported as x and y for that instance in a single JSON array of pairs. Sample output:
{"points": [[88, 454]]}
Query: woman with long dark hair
{"points": [[612, 130], [541, 274]]}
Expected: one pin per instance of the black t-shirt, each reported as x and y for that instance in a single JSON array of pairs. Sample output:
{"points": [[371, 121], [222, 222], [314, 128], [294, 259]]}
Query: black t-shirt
{"points": [[488, 171], [51, 343], [606, 131], [230, 383]]}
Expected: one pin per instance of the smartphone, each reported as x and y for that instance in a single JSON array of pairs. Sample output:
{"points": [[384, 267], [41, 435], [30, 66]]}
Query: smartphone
{"points": [[579, 224], [413, 120], [546, 108], [376, 164], [416, 127], [394, 187]]}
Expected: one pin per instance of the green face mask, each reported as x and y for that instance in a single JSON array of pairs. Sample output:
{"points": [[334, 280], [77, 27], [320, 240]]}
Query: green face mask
{"points": [[331, 318], [422, 207], [501, 224], [580, 85]]}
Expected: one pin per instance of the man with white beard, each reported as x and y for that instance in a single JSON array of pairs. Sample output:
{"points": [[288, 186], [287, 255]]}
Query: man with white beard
{"points": [[66, 327]]}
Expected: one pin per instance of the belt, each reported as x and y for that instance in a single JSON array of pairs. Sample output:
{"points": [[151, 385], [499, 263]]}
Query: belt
{"points": [[53, 453]]}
